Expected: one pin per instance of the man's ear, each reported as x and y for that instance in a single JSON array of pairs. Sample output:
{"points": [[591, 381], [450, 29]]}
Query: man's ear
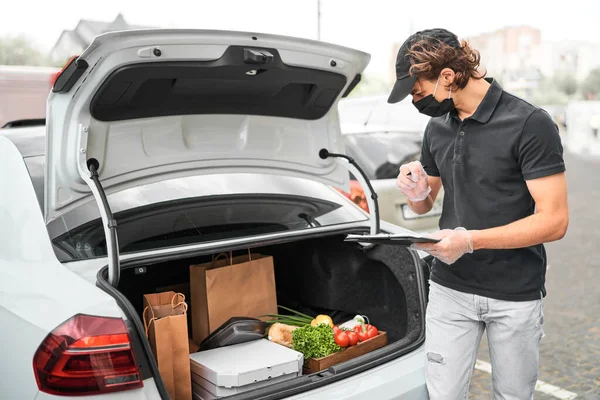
{"points": [[447, 77]]}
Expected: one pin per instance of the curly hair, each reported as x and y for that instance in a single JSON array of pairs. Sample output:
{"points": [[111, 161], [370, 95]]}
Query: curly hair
{"points": [[428, 57]]}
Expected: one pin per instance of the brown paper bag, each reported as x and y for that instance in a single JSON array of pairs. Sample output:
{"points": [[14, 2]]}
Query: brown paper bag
{"points": [[242, 286], [165, 321], [193, 347]]}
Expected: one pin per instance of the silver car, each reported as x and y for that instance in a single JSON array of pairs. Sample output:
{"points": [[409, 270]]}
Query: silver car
{"points": [[381, 137]]}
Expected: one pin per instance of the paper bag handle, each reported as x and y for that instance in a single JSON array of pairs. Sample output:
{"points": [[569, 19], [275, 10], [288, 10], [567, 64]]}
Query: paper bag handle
{"points": [[147, 323], [230, 256], [181, 303]]}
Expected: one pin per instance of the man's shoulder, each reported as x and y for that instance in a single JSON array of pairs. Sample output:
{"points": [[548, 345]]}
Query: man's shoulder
{"points": [[519, 106], [532, 116]]}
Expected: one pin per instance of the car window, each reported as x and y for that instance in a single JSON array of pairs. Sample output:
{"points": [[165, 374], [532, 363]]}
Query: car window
{"points": [[202, 219], [380, 154], [377, 112]]}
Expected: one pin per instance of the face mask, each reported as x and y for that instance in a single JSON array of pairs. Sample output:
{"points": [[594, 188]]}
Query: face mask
{"points": [[428, 105]]}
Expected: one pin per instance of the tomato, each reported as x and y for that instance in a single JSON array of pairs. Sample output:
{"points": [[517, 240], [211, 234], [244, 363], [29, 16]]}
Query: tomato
{"points": [[341, 339], [372, 332], [336, 329], [362, 336], [358, 328], [352, 338]]}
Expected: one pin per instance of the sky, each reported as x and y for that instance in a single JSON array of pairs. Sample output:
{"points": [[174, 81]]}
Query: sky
{"points": [[369, 25]]}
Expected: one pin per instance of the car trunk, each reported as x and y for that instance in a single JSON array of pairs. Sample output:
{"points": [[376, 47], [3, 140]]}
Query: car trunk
{"points": [[313, 275]]}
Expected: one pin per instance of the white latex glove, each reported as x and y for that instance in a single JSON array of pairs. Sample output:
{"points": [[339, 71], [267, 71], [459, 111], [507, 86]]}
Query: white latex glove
{"points": [[415, 186], [453, 245]]}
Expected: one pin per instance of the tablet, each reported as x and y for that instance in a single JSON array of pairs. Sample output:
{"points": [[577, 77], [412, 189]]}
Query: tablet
{"points": [[393, 239]]}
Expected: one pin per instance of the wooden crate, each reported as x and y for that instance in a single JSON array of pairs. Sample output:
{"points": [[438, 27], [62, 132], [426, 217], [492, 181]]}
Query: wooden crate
{"points": [[319, 364]]}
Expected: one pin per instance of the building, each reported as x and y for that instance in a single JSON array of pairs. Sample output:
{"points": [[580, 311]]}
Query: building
{"points": [[73, 42], [514, 53], [577, 58], [520, 59], [513, 56], [507, 49], [503, 51]]}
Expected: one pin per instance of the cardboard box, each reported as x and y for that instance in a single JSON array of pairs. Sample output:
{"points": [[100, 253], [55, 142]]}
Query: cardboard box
{"points": [[245, 366], [319, 364]]}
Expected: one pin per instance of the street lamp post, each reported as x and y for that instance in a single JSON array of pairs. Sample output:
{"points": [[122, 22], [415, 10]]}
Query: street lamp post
{"points": [[318, 19]]}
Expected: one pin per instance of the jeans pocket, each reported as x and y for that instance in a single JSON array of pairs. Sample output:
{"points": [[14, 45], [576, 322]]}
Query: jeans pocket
{"points": [[541, 319]]}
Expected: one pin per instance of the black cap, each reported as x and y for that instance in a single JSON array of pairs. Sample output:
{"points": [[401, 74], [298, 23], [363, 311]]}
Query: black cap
{"points": [[405, 82]]}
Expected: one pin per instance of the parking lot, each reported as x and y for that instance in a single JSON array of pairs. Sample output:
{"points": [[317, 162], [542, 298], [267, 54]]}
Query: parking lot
{"points": [[570, 352]]}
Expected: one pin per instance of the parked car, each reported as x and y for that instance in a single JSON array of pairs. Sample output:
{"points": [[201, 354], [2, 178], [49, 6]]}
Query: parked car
{"points": [[24, 91], [191, 143], [381, 137]]}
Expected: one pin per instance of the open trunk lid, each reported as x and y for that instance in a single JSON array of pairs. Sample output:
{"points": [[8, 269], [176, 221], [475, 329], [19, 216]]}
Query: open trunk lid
{"points": [[150, 105]]}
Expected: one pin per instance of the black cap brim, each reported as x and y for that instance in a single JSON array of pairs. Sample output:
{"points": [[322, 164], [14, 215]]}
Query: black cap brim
{"points": [[402, 88]]}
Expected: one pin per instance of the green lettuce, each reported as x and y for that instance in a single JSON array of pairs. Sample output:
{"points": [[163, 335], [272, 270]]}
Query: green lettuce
{"points": [[314, 341]]}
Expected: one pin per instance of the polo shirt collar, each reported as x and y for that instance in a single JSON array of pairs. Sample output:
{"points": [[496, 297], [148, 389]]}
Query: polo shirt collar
{"points": [[488, 104]]}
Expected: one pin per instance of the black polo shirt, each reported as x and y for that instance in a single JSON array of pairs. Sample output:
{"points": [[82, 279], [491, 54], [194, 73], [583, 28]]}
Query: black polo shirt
{"points": [[483, 162]]}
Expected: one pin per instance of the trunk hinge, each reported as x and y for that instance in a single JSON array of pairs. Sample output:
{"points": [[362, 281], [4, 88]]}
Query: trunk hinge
{"points": [[112, 243], [356, 170]]}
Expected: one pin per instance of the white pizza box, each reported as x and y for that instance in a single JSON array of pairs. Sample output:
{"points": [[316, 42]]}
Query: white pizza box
{"points": [[208, 390], [246, 363], [199, 393]]}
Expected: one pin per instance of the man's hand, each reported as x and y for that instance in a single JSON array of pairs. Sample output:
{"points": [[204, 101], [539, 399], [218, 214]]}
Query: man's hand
{"points": [[414, 186], [452, 246]]}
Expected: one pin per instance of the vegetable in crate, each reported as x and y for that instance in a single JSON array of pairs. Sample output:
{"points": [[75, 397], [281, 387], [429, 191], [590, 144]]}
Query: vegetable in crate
{"points": [[352, 338], [341, 339], [314, 341], [281, 334], [365, 331], [296, 318], [322, 319]]}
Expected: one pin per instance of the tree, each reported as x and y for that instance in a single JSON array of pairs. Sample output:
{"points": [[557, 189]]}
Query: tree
{"points": [[566, 83], [18, 50], [591, 84], [548, 93]]}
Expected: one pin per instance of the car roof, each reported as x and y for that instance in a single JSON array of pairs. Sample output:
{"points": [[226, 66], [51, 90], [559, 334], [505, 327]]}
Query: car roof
{"points": [[29, 140]]}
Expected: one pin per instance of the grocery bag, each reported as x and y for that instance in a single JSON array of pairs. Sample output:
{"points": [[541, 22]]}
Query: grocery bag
{"points": [[242, 286], [165, 321]]}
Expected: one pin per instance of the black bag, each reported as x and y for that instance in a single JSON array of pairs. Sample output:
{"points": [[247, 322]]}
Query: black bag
{"points": [[235, 330]]}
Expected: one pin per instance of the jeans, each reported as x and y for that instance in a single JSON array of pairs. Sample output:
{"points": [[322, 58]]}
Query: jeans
{"points": [[455, 322]]}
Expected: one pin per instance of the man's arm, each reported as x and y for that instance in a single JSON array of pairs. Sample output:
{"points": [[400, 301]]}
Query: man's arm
{"points": [[428, 176], [549, 223], [540, 155], [423, 207]]}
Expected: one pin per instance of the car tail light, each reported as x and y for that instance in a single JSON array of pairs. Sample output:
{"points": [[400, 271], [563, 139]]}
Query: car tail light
{"points": [[87, 355], [55, 75], [357, 195]]}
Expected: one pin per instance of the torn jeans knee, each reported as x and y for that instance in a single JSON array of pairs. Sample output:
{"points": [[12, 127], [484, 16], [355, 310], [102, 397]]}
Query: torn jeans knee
{"points": [[435, 358]]}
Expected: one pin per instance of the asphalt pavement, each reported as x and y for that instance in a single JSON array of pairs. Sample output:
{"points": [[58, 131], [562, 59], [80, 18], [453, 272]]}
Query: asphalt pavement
{"points": [[570, 352]]}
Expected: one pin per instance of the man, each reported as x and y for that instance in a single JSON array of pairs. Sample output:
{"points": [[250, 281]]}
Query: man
{"points": [[500, 161]]}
